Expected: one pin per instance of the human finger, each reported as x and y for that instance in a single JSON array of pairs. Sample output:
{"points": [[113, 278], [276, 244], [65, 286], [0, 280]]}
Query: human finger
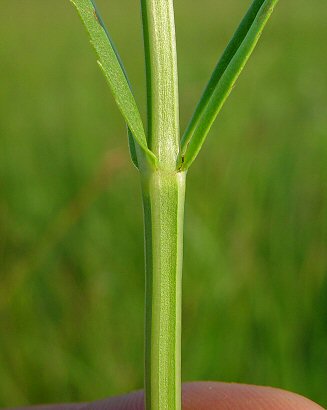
{"points": [[205, 396]]}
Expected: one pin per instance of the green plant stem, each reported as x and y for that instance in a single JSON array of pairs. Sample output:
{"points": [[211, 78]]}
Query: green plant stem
{"points": [[163, 199], [162, 80]]}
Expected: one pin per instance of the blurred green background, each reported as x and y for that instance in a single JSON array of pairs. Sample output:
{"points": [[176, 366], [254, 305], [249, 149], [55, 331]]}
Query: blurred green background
{"points": [[71, 241]]}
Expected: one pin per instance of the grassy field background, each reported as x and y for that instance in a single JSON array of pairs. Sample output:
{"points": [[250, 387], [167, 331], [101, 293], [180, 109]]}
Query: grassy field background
{"points": [[71, 251]]}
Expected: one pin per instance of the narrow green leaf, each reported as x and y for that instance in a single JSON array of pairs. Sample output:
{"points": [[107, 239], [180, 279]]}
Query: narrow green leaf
{"points": [[223, 79], [131, 140], [112, 67]]}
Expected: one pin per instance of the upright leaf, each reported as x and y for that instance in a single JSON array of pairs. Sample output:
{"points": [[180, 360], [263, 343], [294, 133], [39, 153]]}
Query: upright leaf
{"points": [[115, 74], [223, 79]]}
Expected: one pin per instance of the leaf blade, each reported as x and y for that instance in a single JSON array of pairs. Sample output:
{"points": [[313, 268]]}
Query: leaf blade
{"points": [[131, 140], [114, 72], [223, 79]]}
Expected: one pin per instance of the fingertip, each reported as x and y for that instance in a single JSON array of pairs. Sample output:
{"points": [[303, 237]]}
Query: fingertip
{"points": [[205, 396], [219, 396], [228, 396]]}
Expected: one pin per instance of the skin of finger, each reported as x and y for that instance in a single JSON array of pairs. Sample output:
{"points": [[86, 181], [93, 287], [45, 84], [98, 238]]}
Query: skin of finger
{"points": [[205, 396], [229, 396]]}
